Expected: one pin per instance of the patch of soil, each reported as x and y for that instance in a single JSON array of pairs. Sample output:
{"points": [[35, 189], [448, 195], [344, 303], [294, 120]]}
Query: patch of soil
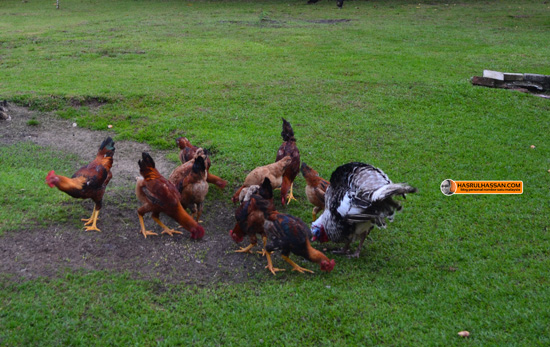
{"points": [[48, 252]]}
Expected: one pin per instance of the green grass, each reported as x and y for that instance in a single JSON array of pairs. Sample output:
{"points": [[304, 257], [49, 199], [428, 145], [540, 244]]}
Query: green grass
{"points": [[24, 196], [389, 87]]}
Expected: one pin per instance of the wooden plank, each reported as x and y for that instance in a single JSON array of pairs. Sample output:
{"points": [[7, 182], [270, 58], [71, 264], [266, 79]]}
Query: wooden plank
{"points": [[496, 75]]}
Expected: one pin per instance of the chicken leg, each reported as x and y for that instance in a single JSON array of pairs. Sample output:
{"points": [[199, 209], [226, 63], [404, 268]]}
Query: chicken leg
{"points": [[270, 264], [91, 222], [290, 196], [295, 267], [165, 229], [246, 249], [143, 231]]}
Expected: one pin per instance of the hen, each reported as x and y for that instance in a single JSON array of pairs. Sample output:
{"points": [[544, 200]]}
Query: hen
{"points": [[188, 152], [285, 233], [288, 148], [274, 172], [89, 182], [316, 187], [190, 181], [359, 197], [158, 195]]}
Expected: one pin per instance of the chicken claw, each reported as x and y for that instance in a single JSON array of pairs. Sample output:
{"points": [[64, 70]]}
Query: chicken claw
{"points": [[91, 222], [295, 267], [148, 232], [165, 229], [170, 232], [290, 196], [270, 264], [143, 231], [246, 249]]}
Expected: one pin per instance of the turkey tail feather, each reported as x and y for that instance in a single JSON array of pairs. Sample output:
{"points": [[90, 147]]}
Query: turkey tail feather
{"points": [[391, 190]]}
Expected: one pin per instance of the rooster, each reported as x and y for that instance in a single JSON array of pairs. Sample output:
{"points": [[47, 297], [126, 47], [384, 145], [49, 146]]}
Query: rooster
{"points": [[250, 221], [316, 186], [89, 182], [189, 152], [359, 197], [285, 233], [288, 148], [274, 172], [159, 195], [190, 180]]}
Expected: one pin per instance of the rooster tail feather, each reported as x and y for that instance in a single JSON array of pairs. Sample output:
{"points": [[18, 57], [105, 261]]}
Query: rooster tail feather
{"points": [[146, 163], [107, 147], [266, 191], [199, 165], [287, 133]]}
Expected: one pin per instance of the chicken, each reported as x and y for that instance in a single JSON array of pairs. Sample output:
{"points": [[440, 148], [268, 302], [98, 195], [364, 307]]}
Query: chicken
{"points": [[250, 221], [89, 182], [159, 195], [284, 232], [188, 152], [190, 181], [272, 171], [316, 187], [288, 148], [359, 197]]}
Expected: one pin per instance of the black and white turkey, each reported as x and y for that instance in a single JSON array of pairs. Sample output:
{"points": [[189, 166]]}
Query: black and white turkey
{"points": [[360, 196]]}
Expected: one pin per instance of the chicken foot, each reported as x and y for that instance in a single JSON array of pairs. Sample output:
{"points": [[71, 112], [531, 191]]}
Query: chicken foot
{"points": [[270, 264], [91, 222], [165, 229], [295, 267], [246, 249], [143, 231], [290, 196]]}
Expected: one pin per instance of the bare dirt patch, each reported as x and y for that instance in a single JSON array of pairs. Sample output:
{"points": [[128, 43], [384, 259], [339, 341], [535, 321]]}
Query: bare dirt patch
{"points": [[33, 252]]}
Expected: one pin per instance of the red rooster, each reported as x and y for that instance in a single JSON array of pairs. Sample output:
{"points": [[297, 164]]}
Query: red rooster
{"points": [[288, 148], [285, 233], [89, 182], [249, 220], [159, 195]]}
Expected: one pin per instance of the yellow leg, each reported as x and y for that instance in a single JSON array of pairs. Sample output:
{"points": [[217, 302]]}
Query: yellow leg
{"points": [[314, 215], [290, 195], [246, 249], [270, 264], [143, 231], [263, 251], [165, 229], [295, 267], [89, 220], [92, 221]]}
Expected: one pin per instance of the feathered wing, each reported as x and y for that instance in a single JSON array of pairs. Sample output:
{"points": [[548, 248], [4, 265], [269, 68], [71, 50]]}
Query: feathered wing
{"points": [[360, 192]]}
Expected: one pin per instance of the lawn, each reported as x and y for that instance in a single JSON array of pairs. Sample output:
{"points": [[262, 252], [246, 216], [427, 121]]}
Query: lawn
{"points": [[382, 82]]}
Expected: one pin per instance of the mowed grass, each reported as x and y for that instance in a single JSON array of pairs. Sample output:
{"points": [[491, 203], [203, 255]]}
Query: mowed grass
{"points": [[384, 82]]}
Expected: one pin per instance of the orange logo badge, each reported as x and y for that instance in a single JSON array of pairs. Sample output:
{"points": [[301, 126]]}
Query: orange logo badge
{"points": [[450, 187]]}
